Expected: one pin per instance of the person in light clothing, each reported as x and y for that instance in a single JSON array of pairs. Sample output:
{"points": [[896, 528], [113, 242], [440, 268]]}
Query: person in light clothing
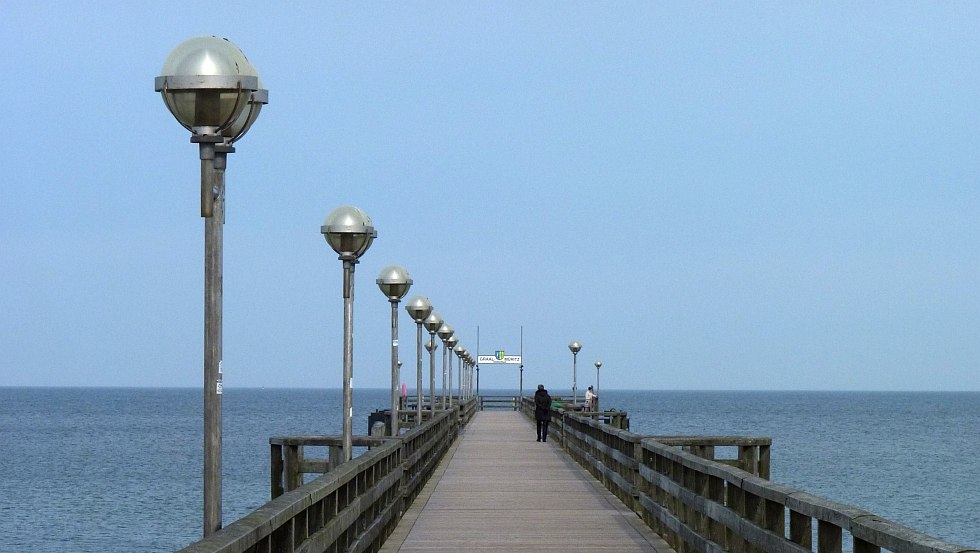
{"points": [[590, 399]]}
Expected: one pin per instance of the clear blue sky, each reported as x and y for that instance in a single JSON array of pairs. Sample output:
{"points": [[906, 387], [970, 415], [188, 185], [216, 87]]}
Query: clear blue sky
{"points": [[707, 195]]}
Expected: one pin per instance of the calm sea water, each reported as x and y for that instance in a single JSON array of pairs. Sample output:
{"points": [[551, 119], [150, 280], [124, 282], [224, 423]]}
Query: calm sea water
{"points": [[119, 470]]}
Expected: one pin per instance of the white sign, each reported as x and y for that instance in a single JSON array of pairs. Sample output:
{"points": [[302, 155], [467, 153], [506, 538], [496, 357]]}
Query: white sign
{"points": [[500, 358]]}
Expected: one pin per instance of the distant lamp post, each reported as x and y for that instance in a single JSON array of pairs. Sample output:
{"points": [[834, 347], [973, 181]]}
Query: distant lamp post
{"points": [[451, 348], [431, 346], [595, 400], [394, 283], [521, 381], [459, 351], [598, 365], [471, 363], [445, 332], [432, 324], [419, 307], [350, 233], [575, 347], [213, 91]]}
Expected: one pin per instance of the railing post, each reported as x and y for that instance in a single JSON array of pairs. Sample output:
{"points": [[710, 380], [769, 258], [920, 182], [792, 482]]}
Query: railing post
{"points": [[764, 461], [716, 493], [276, 467], [294, 456], [828, 537], [335, 457], [775, 518], [747, 459], [801, 529]]}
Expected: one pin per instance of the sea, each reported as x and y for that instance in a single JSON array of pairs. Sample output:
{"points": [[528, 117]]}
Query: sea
{"points": [[119, 469]]}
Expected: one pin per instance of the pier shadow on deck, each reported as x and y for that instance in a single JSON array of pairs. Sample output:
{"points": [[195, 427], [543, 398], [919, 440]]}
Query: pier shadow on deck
{"points": [[500, 490]]}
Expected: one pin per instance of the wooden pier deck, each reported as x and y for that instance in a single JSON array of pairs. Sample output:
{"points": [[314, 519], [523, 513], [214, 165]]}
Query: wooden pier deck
{"points": [[500, 490]]}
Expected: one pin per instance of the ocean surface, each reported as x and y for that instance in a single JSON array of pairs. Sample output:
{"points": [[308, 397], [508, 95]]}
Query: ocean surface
{"points": [[119, 470]]}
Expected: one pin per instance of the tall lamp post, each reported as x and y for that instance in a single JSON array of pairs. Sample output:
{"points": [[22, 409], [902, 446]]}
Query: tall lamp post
{"points": [[431, 347], [521, 382], [598, 365], [394, 283], [595, 400], [575, 347], [350, 233], [213, 91], [418, 308], [472, 364], [459, 351], [447, 350], [432, 324]]}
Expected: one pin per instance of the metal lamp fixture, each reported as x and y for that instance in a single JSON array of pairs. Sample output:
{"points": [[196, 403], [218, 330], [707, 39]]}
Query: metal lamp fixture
{"points": [[575, 347], [213, 91], [350, 233], [394, 283], [419, 307]]}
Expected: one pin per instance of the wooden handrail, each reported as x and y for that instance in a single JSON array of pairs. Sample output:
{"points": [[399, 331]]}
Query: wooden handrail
{"points": [[699, 503], [354, 506]]}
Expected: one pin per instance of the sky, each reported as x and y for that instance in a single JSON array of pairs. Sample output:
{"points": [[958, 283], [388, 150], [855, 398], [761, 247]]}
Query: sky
{"points": [[706, 195]]}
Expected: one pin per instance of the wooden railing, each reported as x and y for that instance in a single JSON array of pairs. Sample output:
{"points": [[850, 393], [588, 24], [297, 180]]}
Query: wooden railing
{"points": [[498, 402], [703, 504], [354, 506]]}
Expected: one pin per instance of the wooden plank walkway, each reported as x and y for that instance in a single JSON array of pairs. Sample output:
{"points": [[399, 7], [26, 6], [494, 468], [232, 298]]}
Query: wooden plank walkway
{"points": [[498, 489]]}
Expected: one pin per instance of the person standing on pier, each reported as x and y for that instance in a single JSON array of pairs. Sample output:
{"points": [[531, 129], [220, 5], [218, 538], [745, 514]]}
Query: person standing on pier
{"points": [[590, 398], [542, 412]]}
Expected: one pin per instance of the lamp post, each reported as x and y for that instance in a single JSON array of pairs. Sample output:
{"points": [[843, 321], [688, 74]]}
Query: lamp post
{"points": [[432, 324], [595, 400], [419, 307], [431, 347], [598, 364], [470, 364], [521, 382], [213, 91], [445, 332], [451, 347], [451, 343], [575, 347], [459, 351], [350, 233], [394, 283]]}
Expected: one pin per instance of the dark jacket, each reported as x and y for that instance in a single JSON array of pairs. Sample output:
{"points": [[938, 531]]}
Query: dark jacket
{"points": [[542, 405]]}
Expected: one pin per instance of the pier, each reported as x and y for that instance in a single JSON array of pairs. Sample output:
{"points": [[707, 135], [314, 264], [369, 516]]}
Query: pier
{"points": [[499, 490], [472, 480]]}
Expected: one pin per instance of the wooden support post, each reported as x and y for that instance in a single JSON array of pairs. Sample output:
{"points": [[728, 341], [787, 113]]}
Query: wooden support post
{"points": [[765, 461], [276, 465], [828, 537], [336, 457], [747, 459], [801, 529], [775, 518], [294, 456]]}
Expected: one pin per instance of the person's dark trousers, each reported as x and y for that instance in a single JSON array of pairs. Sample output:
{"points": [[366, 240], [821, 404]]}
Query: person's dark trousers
{"points": [[543, 431]]}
